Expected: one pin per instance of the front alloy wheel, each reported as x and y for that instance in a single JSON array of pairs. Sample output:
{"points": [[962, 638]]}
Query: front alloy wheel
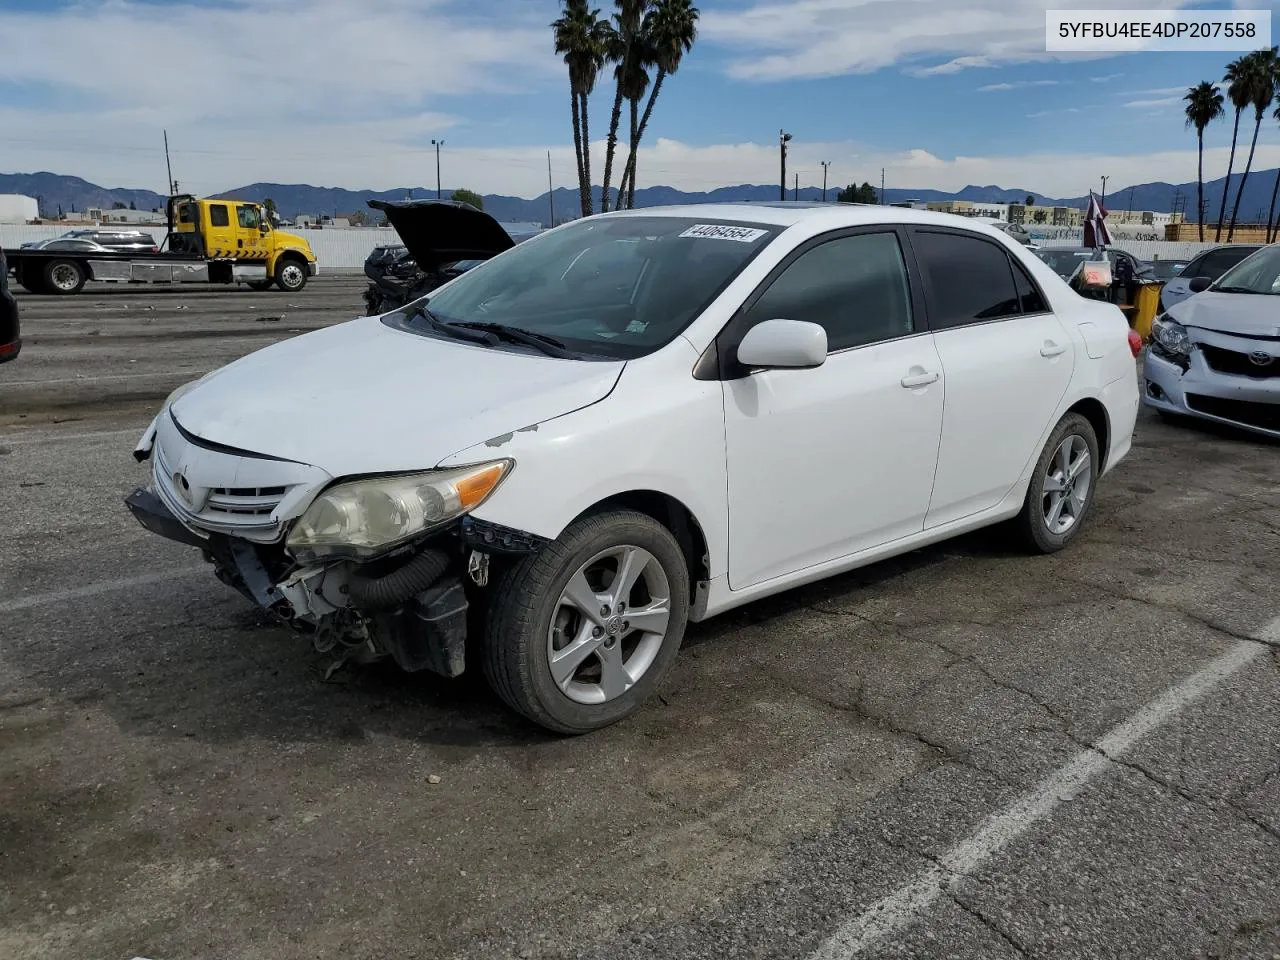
{"points": [[580, 633]]}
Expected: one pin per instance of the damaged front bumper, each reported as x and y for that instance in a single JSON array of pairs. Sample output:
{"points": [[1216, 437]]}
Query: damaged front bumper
{"points": [[412, 606]]}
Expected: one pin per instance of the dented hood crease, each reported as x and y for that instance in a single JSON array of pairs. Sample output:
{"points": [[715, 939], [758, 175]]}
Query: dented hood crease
{"points": [[361, 398], [1245, 314]]}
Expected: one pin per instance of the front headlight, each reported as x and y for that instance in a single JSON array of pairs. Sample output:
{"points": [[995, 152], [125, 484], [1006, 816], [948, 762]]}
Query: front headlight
{"points": [[366, 517], [1171, 335]]}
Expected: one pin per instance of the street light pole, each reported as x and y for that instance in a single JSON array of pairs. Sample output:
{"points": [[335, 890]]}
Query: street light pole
{"points": [[1103, 201], [783, 137], [825, 164], [796, 194], [437, 144]]}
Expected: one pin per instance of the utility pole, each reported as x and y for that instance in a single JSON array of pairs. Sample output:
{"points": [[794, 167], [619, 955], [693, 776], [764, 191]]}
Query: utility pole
{"points": [[1131, 189], [796, 194], [783, 138], [437, 144], [825, 164], [551, 192], [167, 166], [1103, 202], [882, 186]]}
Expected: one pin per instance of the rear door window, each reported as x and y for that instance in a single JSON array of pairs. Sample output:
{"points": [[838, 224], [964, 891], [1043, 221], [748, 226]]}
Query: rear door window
{"points": [[970, 279], [218, 216]]}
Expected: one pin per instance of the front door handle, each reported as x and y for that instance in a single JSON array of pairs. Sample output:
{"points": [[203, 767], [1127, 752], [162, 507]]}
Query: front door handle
{"points": [[1051, 349], [919, 379]]}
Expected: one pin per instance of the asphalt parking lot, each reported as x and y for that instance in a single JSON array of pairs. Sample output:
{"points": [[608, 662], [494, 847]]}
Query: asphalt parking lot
{"points": [[967, 752]]}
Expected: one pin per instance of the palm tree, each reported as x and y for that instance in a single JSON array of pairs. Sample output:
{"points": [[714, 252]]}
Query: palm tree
{"points": [[1261, 74], [1274, 231], [1204, 105], [624, 49], [1237, 80], [671, 29], [580, 38]]}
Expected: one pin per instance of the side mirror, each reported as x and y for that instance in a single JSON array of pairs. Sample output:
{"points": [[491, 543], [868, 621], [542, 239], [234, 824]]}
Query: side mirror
{"points": [[1199, 284], [784, 343]]}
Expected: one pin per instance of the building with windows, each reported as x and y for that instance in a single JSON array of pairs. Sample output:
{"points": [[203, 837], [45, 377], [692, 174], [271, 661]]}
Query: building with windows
{"points": [[970, 208], [1032, 214]]}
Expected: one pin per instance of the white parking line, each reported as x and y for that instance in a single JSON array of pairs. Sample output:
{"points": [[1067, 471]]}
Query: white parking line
{"points": [[20, 440], [97, 589], [902, 907]]}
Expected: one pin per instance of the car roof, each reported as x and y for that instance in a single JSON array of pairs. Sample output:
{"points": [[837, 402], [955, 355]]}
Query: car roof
{"points": [[789, 213]]}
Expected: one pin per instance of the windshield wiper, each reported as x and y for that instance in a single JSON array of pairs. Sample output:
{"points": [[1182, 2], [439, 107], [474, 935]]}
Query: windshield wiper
{"points": [[1235, 290], [539, 341], [455, 330]]}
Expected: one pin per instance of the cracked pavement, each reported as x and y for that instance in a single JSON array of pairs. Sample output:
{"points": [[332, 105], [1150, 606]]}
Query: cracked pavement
{"points": [[177, 781]]}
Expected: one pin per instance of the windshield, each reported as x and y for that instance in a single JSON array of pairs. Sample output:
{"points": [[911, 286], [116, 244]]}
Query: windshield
{"points": [[610, 287], [1259, 273], [1065, 262]]}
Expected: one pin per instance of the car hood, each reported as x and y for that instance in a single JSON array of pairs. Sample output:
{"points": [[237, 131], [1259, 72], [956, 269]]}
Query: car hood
{"points": [[437, 232], [1255, 315], [361, 397]]}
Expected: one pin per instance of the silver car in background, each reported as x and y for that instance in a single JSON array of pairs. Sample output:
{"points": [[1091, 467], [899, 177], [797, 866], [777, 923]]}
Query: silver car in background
{"points": [[1216, 355], [1203, 270]]}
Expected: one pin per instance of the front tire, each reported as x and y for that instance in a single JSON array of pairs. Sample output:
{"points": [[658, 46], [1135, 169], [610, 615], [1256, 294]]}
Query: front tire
{"points": [[580, 633], [64, 277], [1062, 487], [291, 275]]}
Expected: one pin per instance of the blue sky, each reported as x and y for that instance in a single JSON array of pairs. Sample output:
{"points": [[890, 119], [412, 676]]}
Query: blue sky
{"points": [[938, 92]]}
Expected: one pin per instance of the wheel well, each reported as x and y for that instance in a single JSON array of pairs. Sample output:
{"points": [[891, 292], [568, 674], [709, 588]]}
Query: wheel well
{"points": [[1093, 411], [673, 515], [291, 255]]}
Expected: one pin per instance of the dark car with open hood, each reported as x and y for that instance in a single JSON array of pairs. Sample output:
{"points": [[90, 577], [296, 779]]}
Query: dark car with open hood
{"points": [[10, 332], [441, 239]]}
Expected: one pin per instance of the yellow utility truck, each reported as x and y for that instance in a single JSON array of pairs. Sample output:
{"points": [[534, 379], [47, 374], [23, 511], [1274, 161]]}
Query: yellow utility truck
{"points": [[209, 241]]}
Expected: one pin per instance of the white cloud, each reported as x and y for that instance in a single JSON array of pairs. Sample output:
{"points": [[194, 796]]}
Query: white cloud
{"points": [[778, 40], [1053, 113], [1017, 85], [257, 61], [1157, 92], [1157, 102], [1107, 78]]}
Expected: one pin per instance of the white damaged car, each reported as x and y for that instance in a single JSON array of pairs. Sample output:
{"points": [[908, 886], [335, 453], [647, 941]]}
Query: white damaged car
{"points": [[637, 420]]}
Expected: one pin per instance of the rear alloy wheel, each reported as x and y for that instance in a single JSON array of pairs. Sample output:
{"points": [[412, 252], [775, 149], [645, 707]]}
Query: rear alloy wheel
{"points": [[580, 633], [291, 275], [64, 276], [1062, 487]]}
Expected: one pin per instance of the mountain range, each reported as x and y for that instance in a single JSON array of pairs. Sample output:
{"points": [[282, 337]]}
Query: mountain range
{"points": [[57, 191]]}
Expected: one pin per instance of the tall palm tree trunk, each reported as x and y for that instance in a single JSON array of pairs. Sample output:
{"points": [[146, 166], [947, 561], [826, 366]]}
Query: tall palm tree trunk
{"points": [[577, 137], [1226, 186], [629, 174], [587, 202], [1235, 211], [1200, 186], [610, 148], [1273, 226], [631, 159]]}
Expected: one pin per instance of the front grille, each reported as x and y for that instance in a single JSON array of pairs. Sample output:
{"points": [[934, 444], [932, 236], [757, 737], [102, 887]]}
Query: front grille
{"points": [[234, 510], [1265, 416], [1238, 364]]}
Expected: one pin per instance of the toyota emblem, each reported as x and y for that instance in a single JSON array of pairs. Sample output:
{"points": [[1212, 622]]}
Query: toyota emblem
{"points": [[1260, 358]]}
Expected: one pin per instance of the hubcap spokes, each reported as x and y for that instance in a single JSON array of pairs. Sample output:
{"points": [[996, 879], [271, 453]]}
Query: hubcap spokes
{"points": [[609, 624], [1066, 484]]}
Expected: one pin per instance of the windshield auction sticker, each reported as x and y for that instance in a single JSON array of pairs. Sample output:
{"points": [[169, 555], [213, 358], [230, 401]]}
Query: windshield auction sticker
{"points": [[720, 231], [1109, 31]]}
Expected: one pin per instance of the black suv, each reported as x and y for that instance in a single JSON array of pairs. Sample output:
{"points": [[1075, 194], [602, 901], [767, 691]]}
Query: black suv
{"points": [[10, 332]]}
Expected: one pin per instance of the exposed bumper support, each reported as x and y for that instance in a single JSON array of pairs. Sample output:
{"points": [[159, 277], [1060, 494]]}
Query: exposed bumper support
{"points": [[149, 511]]}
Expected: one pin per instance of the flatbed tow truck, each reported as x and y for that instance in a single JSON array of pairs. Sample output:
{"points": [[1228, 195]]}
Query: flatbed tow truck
{"points": [[208, 241]]}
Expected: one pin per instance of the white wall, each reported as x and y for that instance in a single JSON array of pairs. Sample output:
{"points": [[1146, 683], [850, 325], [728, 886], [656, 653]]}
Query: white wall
{"points": [[18, 208]]}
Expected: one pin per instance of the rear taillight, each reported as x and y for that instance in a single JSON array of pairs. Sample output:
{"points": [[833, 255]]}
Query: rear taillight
{"points": [[1135, 342], [8, 348]]}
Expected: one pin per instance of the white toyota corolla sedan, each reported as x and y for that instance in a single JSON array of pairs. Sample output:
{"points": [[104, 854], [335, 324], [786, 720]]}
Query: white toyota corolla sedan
{"points": [[554, 462]]}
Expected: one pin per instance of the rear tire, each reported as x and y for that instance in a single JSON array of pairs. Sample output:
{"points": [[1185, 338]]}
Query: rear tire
{"points": [[572, 667], [1062, 486], [291, 275], [63, 277]]}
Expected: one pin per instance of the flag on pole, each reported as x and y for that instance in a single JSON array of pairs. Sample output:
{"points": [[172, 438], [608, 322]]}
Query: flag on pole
{"points": [[1096, 233]]}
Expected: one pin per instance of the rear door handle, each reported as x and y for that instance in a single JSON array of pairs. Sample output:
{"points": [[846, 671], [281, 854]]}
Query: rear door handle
{"points": [[1051, 349], [919, 379]]}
